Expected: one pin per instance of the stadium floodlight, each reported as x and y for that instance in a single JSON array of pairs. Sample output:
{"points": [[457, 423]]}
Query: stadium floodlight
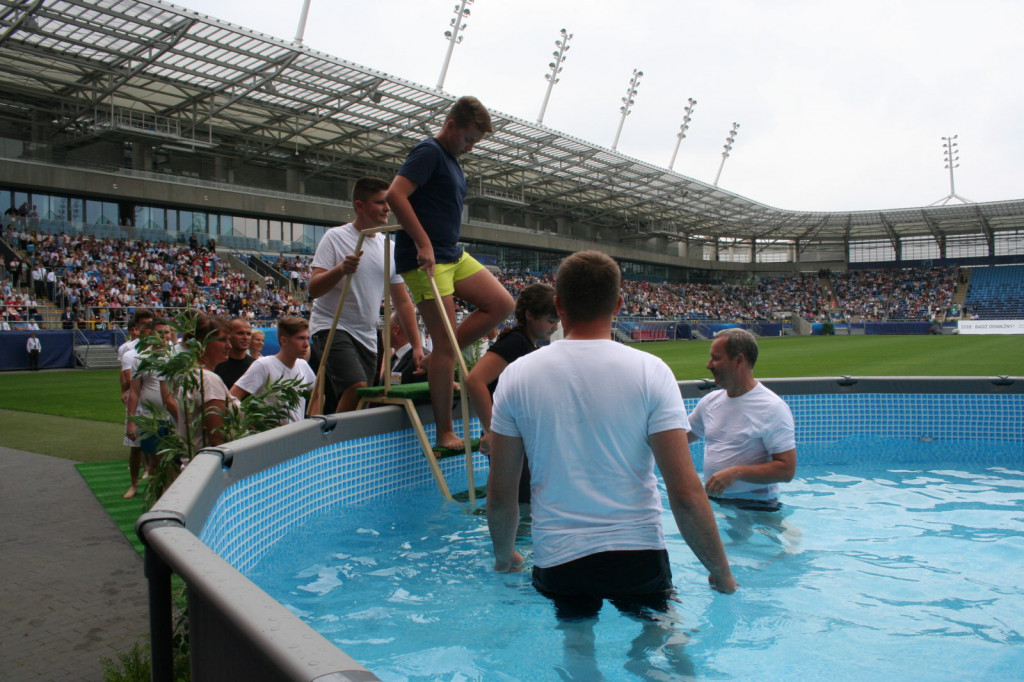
{"points": [[301, 30], [688, 110], [729, 140], [627, 103], [951, 155], [454, 37], [556, 68]]}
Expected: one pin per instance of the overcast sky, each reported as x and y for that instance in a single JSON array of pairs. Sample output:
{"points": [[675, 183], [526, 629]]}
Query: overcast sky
{"points": [[841, 105]]}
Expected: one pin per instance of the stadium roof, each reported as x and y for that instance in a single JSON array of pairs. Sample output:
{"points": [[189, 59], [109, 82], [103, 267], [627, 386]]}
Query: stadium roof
{"points": [[148, 70]]}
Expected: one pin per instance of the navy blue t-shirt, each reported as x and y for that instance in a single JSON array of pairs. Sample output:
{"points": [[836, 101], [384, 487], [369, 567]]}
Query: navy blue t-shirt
{"points": [[437, 201]]}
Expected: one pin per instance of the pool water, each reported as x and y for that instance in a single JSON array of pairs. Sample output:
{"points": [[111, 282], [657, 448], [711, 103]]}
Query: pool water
{"points": [[904, 566]]}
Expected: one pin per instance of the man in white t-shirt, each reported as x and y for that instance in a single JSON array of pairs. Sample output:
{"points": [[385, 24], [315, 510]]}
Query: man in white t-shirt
{"points": [[289, 363], [126, 356], [596, 506], [352, 360], [750, 444]]}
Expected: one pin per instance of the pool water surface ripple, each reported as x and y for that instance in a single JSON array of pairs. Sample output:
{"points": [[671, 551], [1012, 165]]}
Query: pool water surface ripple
{"points": [[903, 565]]}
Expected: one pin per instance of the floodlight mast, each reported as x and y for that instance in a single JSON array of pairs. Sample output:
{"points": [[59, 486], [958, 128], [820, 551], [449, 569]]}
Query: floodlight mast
{"points": [[688, 110], [729, 140], [627, 103], [300, 32], [454, 37], [556, 68], [951, 156]]}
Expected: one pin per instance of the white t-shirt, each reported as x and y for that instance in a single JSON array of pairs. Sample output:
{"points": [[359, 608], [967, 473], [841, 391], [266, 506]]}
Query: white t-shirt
{"points": [[213, 389], [362, 305], [149, 395], [123, 349], [585, 410], [269, 367], [748, 429]]}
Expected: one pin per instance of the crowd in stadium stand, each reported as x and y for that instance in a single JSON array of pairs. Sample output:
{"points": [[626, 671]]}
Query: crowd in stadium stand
{"points": [[909, 294], [101, 279]]}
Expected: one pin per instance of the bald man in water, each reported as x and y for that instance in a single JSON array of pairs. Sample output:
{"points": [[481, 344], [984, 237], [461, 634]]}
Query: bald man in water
{"points": [[750, 444]]}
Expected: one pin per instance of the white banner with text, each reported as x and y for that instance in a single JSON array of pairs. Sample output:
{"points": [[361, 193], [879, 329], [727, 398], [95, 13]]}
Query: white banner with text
{"points": [[991, 326]]}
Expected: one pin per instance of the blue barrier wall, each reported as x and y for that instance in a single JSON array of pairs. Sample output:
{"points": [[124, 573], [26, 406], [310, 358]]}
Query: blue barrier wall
{"points": [[897, 327], [58, 349]]}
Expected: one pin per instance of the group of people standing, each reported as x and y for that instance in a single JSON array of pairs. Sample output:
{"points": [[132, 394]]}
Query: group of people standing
{"points": [[591, 451], [229, 372], [575, 428]]}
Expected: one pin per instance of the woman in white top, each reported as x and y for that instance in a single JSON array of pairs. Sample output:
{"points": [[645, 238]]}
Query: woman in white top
{"points": [[203, 427]]}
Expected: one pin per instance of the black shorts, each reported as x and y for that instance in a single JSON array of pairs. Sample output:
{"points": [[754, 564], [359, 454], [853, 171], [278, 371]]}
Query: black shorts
{"points": [[349, 362], [635, 582], [771, 505]]}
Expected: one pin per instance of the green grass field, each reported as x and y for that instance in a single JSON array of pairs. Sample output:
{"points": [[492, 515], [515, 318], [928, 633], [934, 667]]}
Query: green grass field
{"points": [[77, 414], [828, 356]]}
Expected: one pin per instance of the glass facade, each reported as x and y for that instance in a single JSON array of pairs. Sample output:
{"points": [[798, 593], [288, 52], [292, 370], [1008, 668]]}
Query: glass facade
{"points": [[920, 248], [967, 246], [276, 235], [872, 251]]}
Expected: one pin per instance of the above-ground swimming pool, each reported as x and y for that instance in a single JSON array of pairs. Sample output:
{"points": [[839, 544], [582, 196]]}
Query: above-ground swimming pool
{"points": [[896, 556]]}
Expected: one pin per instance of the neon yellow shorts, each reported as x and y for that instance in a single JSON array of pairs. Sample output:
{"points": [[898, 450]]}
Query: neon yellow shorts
{"points": [[445, 274]]}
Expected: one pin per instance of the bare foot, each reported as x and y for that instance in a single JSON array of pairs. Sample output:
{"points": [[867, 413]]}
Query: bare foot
{"points": [[450, 441], [131, 493]]}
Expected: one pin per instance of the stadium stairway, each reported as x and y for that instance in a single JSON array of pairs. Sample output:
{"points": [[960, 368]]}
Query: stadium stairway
{"points": [[97, 356], [960, 292]]}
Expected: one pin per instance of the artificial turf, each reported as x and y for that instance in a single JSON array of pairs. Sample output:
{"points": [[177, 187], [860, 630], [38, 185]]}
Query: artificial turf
{"points": [[108, 482]]}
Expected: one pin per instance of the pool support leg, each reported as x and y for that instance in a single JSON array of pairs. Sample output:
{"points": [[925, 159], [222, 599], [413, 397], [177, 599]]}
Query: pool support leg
{"points": [[161, 626]]}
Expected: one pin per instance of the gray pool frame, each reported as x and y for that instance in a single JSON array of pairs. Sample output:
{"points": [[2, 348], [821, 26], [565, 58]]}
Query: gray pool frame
{"points": [[238, 632]]}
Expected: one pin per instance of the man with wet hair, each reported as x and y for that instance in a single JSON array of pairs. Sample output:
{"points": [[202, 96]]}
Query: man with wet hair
{"points": [[750, 446], [597, 529]]}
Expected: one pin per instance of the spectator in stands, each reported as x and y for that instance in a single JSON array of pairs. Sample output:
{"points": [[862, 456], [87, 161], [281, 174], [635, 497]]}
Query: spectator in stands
{"points": [[67, 319], [750, 444], [256, 344], [33, 347], [596, 509], [427, 195], [352, 358], [240, 334], [289, 363]]}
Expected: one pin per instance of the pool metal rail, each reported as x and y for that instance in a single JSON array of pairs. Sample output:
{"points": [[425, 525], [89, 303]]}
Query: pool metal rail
{"points": [[238, 632]]}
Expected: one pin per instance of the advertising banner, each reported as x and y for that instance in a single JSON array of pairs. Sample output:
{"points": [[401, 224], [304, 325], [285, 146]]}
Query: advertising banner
{"points": [[991, 326]]}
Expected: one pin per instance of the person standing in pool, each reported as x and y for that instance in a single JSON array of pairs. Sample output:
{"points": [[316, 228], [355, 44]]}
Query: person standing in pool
{"points": [[595, 416], [750, 446], [426, 196], [536, 320]]}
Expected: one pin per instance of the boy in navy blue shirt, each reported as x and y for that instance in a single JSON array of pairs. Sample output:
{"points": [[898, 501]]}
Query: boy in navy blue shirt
{"points": [[427, 197]]}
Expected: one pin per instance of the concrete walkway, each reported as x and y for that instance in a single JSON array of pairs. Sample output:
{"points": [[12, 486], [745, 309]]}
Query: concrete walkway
{"points": [[73, 586]]}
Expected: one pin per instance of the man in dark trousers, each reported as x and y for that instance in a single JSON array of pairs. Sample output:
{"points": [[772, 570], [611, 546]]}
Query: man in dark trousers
{"points": [[34, 348]]}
